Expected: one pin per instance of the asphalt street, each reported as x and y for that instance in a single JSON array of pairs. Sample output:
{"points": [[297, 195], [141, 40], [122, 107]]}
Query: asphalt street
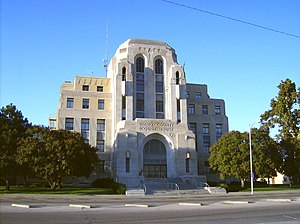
{"points": [[266, 207]]}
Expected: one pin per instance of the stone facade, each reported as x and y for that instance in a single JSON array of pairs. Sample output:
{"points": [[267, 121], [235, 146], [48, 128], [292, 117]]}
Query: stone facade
{"points": [[140, 117]]}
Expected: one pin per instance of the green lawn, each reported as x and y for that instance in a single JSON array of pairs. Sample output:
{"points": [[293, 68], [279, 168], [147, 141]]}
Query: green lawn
{"points": [[44, 190], [277, 187]]}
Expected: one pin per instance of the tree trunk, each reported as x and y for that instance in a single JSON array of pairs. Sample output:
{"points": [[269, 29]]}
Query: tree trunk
{"points": [[7, 186], [242, 183]]}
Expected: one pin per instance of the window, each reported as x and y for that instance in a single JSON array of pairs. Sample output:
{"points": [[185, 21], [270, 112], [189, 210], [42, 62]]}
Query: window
{"points": [[217, 110], [100, 125], [206, 146], [100, 104], [159, 84], [207, 168], [85, 87], [123, 107], [193, 127], [177, 78], [100, 135], [69, 124], [159, 66], [140, 102], [198, 95], [218, 131], [206, 139], [124, 74], [159, 106], [100, 89], [187, 93], [187, 165], [140, 82], [205, 129], [85, 103], [191, 108], [70, 102], [204, 109], [100, 146], [178, 111], [100, 166], [85, 128], [127, 168], [140, 65]]}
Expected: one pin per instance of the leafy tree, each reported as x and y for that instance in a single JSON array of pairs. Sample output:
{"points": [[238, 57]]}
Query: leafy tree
{"points": [[55, 154], [12, 128], [230, 155], [285, 115]]}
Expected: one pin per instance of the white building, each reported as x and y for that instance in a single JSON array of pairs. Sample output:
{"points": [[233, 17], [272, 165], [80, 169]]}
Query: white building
{"points": [[144, 119]]}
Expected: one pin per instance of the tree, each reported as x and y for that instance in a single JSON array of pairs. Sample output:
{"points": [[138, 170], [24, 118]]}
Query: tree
{"points": [[230, 155], [285, 115], [55, 154], [12, 128]]}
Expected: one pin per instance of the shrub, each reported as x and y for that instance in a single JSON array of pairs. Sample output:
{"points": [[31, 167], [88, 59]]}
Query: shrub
{"points": [[109, 183]]}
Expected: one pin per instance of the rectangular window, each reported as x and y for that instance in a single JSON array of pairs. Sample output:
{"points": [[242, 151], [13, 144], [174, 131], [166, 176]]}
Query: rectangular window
{"points": [[206, 139], [70, 102], [187, 94], [218, 131], [187, 165], [159, 106], [100, 135], [191, 109], [85, 87], [100, 167], [127, 165], [85, 128], [69, 124], [140, 82], [123, 107], [207, 168], [217, 110], [100, 104], [85, 103], [159, 85], [193, 127], [205, 128], [100, 125], [100, 89], [204, 109], [198, 95], [100, 146]]}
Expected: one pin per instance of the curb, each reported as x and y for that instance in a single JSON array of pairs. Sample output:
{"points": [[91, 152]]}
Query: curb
{"points": [[236, 202], [190, 204], [136, 205], [20, 206], [80, 206]]}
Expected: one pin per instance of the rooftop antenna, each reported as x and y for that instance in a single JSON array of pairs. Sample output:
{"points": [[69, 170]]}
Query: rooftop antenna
{"points": [[105, 61]]}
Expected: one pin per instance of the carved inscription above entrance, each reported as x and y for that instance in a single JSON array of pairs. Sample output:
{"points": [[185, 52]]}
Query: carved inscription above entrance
{"points": [[155, 126]]}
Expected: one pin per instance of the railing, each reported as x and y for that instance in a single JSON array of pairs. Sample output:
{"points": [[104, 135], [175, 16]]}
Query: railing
{"points": [[174, 186], [202, 185]]}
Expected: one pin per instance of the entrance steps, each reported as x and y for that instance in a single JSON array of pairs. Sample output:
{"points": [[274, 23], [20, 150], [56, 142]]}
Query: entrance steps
{"points": [[135, 192]]}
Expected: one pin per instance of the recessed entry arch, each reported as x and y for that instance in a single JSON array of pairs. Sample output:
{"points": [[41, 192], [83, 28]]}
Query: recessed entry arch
{"points": [[155, 156]]}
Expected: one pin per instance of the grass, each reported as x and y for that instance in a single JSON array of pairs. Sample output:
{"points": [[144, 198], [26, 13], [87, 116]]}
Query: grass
{"points": [[45, 190], [276, 187]]}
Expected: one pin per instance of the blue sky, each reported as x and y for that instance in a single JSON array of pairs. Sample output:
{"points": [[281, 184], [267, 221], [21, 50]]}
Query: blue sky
{"points": [[46, 42]]}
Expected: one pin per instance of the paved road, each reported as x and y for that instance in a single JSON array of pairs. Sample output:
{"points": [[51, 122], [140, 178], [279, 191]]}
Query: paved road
{"points": [[111, 209]]}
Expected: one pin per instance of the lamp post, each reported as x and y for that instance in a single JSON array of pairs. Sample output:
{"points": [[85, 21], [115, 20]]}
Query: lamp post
{"points": [[251, 167]]}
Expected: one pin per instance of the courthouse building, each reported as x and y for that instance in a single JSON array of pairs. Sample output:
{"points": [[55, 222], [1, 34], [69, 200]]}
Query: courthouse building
{"points": [[145, 120]]}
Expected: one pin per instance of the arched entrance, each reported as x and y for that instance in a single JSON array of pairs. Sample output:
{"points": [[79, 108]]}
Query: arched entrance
{"points": [[155, 159]]}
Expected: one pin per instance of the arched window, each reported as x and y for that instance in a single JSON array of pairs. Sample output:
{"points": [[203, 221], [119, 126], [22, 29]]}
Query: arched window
{"points": [[140, 64], [159, 66], [124, 74]]}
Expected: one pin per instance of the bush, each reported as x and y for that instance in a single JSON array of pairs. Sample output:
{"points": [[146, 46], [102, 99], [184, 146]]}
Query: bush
{"points": [[103, 183], [110, 183]]}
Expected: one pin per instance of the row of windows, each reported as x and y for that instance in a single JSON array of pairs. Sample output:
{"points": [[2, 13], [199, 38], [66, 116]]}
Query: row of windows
{"points": [[85, 103], [85, 131], [87, 88], [205, 128], [191, 109], [198, 95], [140, 65]]}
